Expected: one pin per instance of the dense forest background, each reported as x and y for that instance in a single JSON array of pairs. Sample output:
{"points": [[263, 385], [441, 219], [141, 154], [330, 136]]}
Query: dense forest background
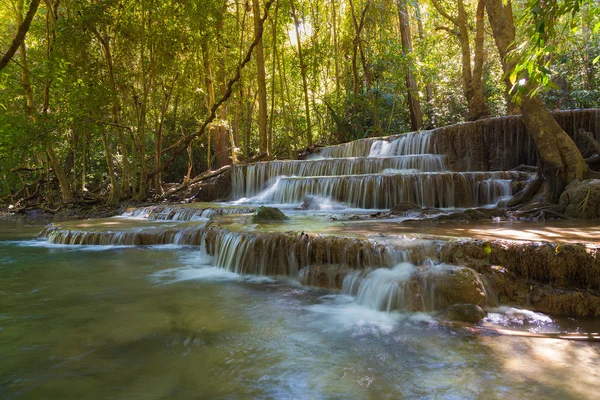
{"points": [[112, 97]]}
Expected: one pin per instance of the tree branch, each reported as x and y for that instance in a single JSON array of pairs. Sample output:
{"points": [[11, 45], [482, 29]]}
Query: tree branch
{"points": [[226, 96], [443, 12], [20, 34]]}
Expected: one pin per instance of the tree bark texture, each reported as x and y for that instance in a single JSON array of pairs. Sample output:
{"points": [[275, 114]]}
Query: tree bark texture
{"points": [[414, 105]]}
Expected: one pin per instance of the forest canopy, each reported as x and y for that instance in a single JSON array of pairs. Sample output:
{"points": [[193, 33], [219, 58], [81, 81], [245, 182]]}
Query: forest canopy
{"points": [[115, 96]]}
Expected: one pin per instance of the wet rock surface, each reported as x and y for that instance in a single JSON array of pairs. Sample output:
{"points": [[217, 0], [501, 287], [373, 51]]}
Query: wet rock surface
{"points": [[463, 313], [555, 278], [268, 214], [581, 199], [452, 284]]}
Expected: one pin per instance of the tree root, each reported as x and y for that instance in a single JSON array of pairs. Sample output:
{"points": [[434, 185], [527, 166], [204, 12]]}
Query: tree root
{"points": [[592, 161], [540, 211], [525, 168], [528, 192]]}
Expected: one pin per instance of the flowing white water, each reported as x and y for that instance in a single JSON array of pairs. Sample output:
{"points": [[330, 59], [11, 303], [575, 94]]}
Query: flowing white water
{"points": [[382, 289], [410, 143], [383, 191], [250, 179]]}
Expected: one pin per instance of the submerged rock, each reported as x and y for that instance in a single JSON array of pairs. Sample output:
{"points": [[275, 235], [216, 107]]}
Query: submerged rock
{"points": [[463, 313], [582, 199], [268, 214], [310, 203], [317, 203], [403, 207]]}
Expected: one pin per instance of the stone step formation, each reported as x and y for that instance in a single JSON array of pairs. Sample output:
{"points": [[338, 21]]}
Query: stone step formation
{"points": [[329, 239]]}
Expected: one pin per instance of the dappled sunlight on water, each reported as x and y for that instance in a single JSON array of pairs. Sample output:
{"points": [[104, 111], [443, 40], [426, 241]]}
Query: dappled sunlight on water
{"points": [[570, 367], [163, 322]]}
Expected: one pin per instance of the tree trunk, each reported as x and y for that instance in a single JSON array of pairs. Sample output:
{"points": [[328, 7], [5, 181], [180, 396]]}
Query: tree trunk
{"points": [[210, 90], [428, 88], [286, 93], [562, 161], [414, 106], [471, 77], [58, 167], [309, 138], [63, 181], [84, 161], [262, 84], [115, 194], [113, 197], [479, 108], [273, 80], [336, 49]]}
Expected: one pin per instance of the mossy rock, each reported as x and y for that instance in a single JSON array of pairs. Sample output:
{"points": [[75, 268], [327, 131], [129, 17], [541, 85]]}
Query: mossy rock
{"points": [[268, 214], [463, 313], [581, 199]]}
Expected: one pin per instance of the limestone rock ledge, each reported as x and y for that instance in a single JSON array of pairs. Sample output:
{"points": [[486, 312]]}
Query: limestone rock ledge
{"points": [[554, 278]]}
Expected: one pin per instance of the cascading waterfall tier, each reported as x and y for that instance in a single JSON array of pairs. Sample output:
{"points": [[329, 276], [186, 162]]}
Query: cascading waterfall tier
{"points": [[404, 144], [407, 287], [492, 144], [437, 168], [349, 261], [248, 180], [496, 144], [249, 252], [183, 212], [383, 191]]}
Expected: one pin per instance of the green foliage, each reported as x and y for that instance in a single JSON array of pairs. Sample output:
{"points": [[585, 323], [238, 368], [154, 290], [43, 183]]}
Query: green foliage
{"points": [[158, 80], [550, 28]]}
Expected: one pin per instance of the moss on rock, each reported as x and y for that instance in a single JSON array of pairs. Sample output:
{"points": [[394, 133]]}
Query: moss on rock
{"points": [[268, 214]]}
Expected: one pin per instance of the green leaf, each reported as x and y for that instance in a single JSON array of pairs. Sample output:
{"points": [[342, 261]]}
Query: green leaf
{"points": [[487, 249]]}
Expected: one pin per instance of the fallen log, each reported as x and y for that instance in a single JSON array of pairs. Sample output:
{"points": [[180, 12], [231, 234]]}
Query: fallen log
{"points": [[204, 176]]}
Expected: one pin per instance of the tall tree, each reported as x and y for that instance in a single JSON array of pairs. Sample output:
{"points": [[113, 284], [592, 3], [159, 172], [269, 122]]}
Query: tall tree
{"points": [[309, 138], [472, 76], [414, 105], [562, 160], [262, 83]]}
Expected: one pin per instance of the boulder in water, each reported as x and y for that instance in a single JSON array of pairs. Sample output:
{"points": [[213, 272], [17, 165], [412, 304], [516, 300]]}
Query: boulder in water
{"points": [[450, 284], [581, 199], [268, 214], [463, 313], [403, 207], [310, 203]]}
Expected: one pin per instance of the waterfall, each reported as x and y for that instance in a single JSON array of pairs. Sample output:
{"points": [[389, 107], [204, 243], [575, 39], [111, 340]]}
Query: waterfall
{"points": [[250, 179], [183, 212], [382, 289], [406, 287], [383, 191], [409, 143]]}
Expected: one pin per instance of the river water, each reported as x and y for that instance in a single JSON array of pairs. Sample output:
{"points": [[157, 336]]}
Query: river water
{"points": [[95, 322]]}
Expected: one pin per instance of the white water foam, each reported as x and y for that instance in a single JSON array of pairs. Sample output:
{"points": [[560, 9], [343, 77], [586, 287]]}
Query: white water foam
{"points": [[205, 273], [77, 247], [516, 317], [343, 313]]}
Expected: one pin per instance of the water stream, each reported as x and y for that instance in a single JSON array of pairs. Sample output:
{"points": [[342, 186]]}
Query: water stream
{"points": [[161, 322]]}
